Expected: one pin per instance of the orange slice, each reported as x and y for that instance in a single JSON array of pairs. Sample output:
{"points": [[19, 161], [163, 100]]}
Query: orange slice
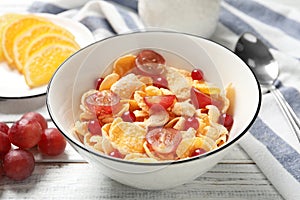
{"points": [[22, 53], [13, 30], [5, 20], [40, 67], [124, 64], [24, 40], [50, 39]]}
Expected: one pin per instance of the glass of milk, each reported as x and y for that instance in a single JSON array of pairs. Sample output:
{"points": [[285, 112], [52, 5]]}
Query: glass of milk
{"points": [[199, 17]]}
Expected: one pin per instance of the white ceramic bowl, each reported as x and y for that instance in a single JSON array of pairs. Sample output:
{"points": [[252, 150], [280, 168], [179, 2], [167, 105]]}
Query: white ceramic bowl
{"points": [[220, 66]]}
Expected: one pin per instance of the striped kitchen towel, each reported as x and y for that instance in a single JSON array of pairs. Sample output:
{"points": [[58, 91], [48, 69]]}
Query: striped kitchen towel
{"points": [[103, 18], [270, 142]]}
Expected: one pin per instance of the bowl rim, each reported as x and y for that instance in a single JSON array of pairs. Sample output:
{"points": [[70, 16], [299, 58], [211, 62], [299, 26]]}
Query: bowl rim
{"points": [[24, 97], [159, 163]]}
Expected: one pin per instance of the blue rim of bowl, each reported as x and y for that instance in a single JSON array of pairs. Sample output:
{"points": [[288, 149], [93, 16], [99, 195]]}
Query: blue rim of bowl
{"points": [[159, 163]]}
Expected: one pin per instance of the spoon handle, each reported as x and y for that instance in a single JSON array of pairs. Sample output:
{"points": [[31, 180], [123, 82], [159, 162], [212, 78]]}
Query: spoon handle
{"points": [[288, 111]]}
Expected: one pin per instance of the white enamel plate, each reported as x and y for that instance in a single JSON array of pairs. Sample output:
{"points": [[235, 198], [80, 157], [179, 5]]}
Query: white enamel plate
{"points": [[12, 83]]}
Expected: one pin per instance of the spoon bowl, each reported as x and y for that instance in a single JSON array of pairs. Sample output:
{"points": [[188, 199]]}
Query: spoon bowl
{"points": [[258, 57]]}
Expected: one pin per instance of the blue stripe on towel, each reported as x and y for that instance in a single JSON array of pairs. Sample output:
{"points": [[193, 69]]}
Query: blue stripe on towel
{"points": [[42, 7], [268, 16], [127, 19], [288, 157], [128, 3], [282, 151], [239, 26], [93, 23], [292, 95]]}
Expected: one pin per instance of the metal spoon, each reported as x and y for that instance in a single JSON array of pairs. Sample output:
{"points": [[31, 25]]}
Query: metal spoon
{"points": [[258, 57]]}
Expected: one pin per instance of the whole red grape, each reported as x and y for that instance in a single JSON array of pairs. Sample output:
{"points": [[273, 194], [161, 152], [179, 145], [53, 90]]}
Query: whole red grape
{"points": [[116, 154], [25, 133], [128, 116], [5, 144], [191, 122], [52, 142], [3, 127], [226, 120], [160, 82], [18, 164], [98, 83], [37, 117], [1, 170], [197, 74], [94, 127], [197, 152]]}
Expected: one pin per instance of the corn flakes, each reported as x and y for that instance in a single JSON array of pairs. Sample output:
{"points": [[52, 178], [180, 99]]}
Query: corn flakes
{"points": [[147, 115]]}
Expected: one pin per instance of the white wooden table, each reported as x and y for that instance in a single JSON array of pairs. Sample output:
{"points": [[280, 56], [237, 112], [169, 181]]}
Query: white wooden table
{"points": [[70, 177]]}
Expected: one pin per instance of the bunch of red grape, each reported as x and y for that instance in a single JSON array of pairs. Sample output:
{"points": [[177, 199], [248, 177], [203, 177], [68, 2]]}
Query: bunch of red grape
{"points": [[16, 160]]}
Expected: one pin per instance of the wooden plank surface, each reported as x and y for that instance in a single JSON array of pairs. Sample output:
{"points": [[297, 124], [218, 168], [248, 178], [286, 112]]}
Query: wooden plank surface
{"points": [[69, 176], [78, 181], [235, 177]]}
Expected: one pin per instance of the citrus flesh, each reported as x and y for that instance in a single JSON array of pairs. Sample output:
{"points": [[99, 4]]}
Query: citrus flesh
{"points": [[23, 52], [14, 30], [34, 46], [40, 67], [5, 20]]}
